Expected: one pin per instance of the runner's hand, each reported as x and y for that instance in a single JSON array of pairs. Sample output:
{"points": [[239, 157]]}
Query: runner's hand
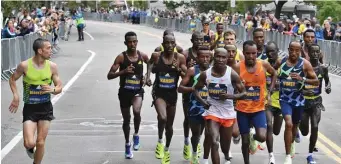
{"points": [[191, 63], [14, 104], [308, 92], [206, 105], [129, 69], [223, 96], [147, 82], [296, 76], [269, 101], [328, 89], [47, 89]]}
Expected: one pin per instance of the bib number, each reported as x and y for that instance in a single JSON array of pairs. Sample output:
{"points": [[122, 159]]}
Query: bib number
{"points": [[252, 93]]}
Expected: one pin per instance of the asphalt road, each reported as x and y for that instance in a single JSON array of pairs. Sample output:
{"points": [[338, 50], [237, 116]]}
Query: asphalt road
{"points": [[87, 129]]}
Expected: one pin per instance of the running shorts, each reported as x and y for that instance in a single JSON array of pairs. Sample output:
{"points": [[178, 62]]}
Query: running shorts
{"points": [[126, 96], [37, 112]]}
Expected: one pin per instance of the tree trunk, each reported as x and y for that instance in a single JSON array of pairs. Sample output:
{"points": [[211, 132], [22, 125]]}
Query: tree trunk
{"points": [[279, 6]]}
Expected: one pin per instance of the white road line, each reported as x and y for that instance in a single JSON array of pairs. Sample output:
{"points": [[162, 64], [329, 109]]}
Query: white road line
{"points": [[107, 161], [71, 119], [19, 136], [92, 38]]}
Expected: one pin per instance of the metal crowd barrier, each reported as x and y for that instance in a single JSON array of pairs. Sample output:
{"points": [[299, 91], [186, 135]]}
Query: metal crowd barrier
{"points": [[330, 49], [15, 50]]}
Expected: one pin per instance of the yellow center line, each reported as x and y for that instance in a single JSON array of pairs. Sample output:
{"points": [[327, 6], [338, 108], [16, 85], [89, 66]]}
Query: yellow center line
{"points": [[321, 136]]}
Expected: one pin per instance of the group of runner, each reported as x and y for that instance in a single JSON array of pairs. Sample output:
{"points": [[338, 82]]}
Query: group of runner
{"points": [[230, 93]]}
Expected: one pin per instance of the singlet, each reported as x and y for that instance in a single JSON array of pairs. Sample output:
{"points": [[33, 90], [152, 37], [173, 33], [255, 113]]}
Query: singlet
{"points": [[255, 86], [166, 76], [220, 43], [222, 109], [207, 38], [32, 80], [237, 57], [291, 90], [317, 89], [196, 108], [190, 57], [133, 81], [163, 49], [262, 55], [275, 94]]}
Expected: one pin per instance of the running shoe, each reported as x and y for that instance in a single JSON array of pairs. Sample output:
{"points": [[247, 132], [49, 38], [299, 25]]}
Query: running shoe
{"points": [[136, 140], [195, 159], [236, 140], [298, 137], [166, 158], [159, 150], [227, 162], [187, 152], [253, 143], [199, 150], [30, 152], [288, 160], [293, 150], [310, 160], [261, 145], [271, 159], [128, 153]]}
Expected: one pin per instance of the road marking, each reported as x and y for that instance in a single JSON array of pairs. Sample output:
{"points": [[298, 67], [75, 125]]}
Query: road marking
{"points": [[71, 119], [107, 161], [329, 142], [92, 38], [328, 152], [19, 136]]}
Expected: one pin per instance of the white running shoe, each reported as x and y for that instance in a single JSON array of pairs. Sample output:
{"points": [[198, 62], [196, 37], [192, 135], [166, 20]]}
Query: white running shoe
{"points": [[30, 152]]}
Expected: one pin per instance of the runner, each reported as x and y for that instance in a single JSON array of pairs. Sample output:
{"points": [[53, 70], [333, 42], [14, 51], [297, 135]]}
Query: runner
{"points": [[191, 59], [313, 104], [309, 39], [258, 37], [167, 66], [250, 110], [130, 64], [273, 112], [218, 37], [231, 62], [294, 72], [220, 115], [230, 39], [196, 109], [177, 48], [38, 74]]}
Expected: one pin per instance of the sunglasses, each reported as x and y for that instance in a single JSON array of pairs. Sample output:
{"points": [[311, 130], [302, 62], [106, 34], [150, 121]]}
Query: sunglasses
{"points": [[206, 24]]}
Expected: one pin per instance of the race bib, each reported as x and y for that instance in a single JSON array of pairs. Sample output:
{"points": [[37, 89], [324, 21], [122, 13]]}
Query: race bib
{"points": [[316, 89], [203, 93], [36, 95], [289, 85], [220, 44], [132, 83], [252, 93], [167, 81], [215, 89]]}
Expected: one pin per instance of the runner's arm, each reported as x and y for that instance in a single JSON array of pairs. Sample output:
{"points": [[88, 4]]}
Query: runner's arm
{"points": [[277, 64], [184, 82], [201, 83], [157, 49], [56, 80], [150, 64], [112, 72], [310, 73], [273, 73], [180, 49], [145, 57], [237, 84], [182, 65], [15, 76], [327, 83]]}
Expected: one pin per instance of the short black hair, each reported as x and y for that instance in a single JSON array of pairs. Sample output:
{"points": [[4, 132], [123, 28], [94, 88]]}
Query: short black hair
{"points": [[308, 30], [218, 24], [313, 45], [249, 43], [38, 44], [294, 41], [257, 30], [272, 42], [196, 34], [130, 33], [168, 32]]}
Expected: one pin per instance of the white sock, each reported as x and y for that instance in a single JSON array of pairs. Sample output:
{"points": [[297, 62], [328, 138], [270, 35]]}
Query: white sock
{"points": [[161, 140], [310, 154], [199, 139], [128, 144], [166, 148], [289, 156], [271, 154], [135, 134], [186, 140], [205, 160]]}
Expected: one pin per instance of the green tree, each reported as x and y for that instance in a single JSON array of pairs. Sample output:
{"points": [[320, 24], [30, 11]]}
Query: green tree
{"points": [[138, 4], [172, 5]]}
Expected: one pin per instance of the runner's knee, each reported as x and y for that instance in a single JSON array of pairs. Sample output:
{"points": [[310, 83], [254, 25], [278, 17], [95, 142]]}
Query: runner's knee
{"points": [[162, 119], [40, 143], [29, 143], [215, 144]]}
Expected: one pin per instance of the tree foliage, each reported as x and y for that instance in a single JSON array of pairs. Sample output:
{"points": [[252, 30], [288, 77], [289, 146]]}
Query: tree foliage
{"points": [[138, 4], [172, 5]]}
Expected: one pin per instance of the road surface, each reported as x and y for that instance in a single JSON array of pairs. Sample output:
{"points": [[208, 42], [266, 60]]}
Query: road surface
{"points": [[87, 129]]}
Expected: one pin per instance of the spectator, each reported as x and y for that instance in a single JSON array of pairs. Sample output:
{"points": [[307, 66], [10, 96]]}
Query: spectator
{"points": [[328, 32], [264, 24], [288, 30], [24, 30], [331, 23], [9, 31], [318, 32], [337, 36], [301, 27]]}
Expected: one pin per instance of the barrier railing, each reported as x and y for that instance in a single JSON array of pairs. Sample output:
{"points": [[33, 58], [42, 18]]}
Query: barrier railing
{"points": [[330, 49], [15, 50]]}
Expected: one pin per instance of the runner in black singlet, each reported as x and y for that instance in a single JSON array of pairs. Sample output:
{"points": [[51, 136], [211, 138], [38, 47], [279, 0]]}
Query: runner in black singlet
{"points": [[130, 64]]}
